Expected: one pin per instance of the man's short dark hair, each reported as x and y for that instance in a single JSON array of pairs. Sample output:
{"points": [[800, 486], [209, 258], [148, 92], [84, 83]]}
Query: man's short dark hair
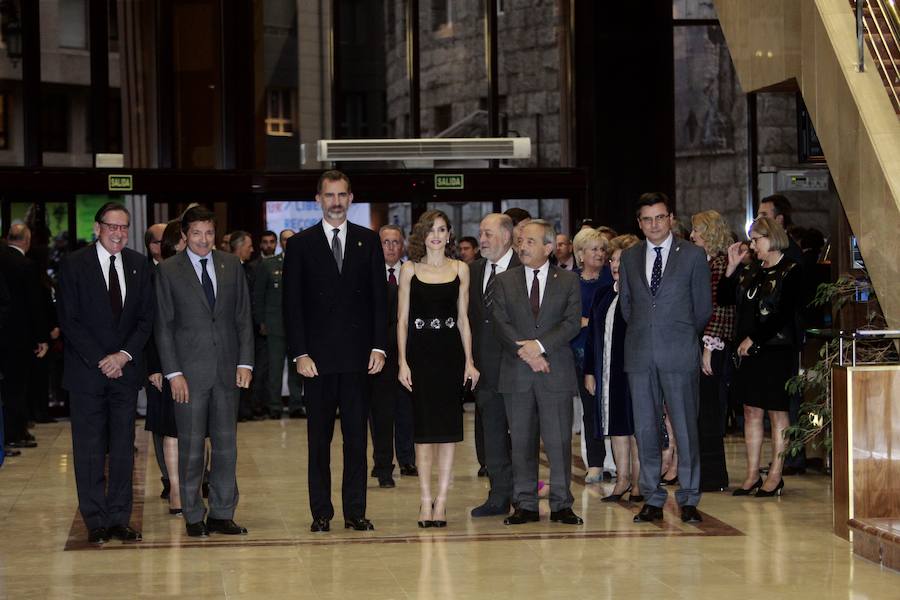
{"points": [[332, 175], [267, 232], [781, 206], [196, 214], [517, 214], [469, 239], [650, 199], [110, 207]]}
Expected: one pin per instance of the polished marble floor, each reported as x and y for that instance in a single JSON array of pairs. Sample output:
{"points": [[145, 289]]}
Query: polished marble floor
{"points": [[745, 548]]}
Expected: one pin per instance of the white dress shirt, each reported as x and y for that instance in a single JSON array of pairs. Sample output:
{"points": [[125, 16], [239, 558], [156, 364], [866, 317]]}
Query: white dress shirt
{"points": [[650, 256], [569, 265], [542, 279], [103, 256], [387, 269], [502, 265], [342, 235], [210, 268]]}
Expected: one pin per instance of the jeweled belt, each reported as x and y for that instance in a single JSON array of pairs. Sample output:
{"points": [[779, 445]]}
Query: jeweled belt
{"points": [[434, 323]]}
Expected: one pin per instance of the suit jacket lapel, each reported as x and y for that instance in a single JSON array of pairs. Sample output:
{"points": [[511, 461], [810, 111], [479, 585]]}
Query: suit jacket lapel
{"points": [[96, 273], [671, 261], [350, 248], [222, 276], [325, 246], [128, 268], [477, 279], [191, 275], [549, 288], [642, 265]]}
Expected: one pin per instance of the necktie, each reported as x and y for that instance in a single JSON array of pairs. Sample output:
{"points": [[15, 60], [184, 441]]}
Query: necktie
{"points": [[656, 274], [489, 288], [207, 285], [336, 249], [391, 278], [535, 295], [115, 291]]}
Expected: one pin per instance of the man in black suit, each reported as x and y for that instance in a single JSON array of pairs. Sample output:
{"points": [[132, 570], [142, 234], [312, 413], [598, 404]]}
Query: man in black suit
{"points": [[106, 315], [24, 336], [391, 403], [496, 237], [335, 297]]}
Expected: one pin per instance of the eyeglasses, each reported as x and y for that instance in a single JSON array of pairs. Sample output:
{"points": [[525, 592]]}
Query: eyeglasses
{"points": [[156, 241], [759, 237], [658, 219], [115, 227]]}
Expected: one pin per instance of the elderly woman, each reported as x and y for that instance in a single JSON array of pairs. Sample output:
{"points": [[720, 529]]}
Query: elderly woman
{"points": [[591, 253], [710, 232], [767, 296], [606, 381]]}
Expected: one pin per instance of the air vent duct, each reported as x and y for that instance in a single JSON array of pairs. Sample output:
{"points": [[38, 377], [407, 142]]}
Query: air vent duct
{"points": [[425, 149]]}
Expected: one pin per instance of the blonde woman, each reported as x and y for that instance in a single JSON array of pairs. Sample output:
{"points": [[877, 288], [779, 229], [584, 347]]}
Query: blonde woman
{"points": [[434, 346], [711, 232]]}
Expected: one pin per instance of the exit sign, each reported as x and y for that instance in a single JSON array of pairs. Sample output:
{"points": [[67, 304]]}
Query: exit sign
{"points": [[449, 182], [121, 183]]}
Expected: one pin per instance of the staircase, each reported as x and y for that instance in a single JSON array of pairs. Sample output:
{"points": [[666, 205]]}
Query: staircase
{"points": [[814, 42], [881, 26]]}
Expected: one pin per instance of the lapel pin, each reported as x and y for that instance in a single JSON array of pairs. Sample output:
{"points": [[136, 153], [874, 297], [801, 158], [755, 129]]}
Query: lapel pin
{"points": [[554, 275], [359, 244], [677, 248], [134, 271]]}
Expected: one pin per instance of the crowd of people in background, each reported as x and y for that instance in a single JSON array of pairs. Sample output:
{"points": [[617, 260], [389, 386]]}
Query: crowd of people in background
{"points": [[651, 349]]}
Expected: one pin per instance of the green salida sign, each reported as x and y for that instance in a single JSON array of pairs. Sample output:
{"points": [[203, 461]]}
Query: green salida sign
{"points": [[449, 182], [121, 183]]}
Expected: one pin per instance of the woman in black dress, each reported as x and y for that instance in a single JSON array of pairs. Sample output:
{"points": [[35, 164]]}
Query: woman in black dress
{"points": [[161, 413], [434, 345], [766, 293]]}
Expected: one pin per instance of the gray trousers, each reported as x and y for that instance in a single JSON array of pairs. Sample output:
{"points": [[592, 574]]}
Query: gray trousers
{"points": [[681, 394], [212, 413], [496, 442], [535, 415]]}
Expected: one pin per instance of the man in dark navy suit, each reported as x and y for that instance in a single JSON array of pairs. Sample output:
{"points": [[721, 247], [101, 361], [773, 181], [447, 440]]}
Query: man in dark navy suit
{"points": [[335, 296], [105, 306]]}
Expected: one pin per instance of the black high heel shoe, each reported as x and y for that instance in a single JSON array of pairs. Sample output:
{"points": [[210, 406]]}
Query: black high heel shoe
{"points": [[428, 523], [436, 522], [779, 489], [636, 497], [175, 511], [746, 492], [664, 481], [615, 497]]}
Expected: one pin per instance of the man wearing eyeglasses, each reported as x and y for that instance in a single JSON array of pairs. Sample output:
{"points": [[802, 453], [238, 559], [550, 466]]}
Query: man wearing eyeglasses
{"points": [[665, 297], [105, 307]]}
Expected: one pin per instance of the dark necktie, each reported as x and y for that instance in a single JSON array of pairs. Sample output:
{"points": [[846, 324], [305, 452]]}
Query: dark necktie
{"points": [[391, 278], [489, 288], [207, 284], [535, 295], [115, 291], [656, 274], [336, 248]]}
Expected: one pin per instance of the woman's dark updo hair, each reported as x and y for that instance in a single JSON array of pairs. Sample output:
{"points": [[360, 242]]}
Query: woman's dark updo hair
{"points": [[171, 237], [416, 246]]}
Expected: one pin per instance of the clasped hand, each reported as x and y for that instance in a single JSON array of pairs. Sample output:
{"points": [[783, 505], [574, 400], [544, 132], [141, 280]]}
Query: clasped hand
{"points": [[530, 352], [112, 364]]}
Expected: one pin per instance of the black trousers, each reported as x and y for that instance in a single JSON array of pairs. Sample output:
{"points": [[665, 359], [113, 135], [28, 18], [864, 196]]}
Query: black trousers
{"points": [[104, 423], [15, 399], [38, 392], [391, 424], [496, 443], [324, 395], [711, 424]]}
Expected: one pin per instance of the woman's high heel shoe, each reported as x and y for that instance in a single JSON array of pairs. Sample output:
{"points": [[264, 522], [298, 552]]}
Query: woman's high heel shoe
{"points": [[636, 497], [779, 489], [664, 481], [429, 522], [746, 492], [175, 511], [615, 497], [439, 523]]}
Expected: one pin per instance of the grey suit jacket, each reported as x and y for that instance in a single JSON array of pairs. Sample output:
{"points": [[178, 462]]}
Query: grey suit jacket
{"points": [[206, 345], [486, 349], [558, 321], [664, 330]]}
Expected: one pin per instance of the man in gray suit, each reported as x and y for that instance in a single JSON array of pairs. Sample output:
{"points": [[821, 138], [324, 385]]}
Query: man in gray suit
{"points": [[204, 333], [665, 296], [536, 313], [497, 257]]}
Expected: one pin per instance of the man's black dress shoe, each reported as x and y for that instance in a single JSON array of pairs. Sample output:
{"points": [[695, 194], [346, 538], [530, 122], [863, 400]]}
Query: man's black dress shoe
{"points": [[482, 471], [98, 536], [125, 533], [386, 482], [522, 516], [320, 524], [226, 526], [490, 510], [649, 514], [690, 514], [167, 487], [359, 524], [29, 437], [409, 471], [22, 444], [12, 453], [566, 516], [197, 529]]}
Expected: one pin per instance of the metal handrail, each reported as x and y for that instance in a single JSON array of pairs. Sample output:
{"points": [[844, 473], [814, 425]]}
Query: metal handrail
{"points": [[880, 39], [862, 335]]}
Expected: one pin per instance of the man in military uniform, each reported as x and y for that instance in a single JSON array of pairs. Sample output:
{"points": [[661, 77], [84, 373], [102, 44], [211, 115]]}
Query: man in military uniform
{"points": [[269, 321]]}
